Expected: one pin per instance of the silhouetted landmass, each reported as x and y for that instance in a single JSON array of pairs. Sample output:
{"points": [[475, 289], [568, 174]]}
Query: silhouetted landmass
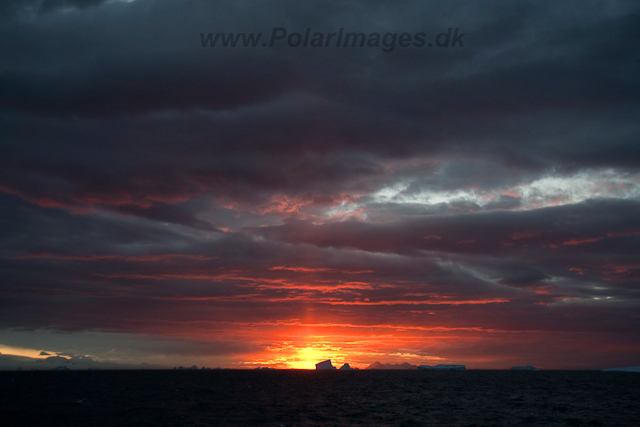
{"points": [[72, 363], [378, 365], [192, 368]]}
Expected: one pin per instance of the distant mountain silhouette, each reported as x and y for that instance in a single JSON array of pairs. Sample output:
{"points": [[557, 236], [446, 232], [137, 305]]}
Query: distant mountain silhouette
{"points": [[378, 365]]}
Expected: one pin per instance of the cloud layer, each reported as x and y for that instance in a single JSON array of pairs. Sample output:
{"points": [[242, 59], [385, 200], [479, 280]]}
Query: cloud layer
{"points": [[473, 205]]}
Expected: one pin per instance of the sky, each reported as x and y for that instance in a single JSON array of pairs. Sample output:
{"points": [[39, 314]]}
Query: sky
{"points": [[166, 203]]}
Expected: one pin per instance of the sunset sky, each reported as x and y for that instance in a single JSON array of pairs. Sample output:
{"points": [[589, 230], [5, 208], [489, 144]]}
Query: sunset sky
{"points": [[172, 204]]}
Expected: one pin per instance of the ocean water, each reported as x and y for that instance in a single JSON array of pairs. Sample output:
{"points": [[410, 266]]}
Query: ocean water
{"points": [[319, 398]]}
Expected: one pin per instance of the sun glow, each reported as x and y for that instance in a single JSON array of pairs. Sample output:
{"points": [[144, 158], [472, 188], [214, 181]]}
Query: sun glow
{"points": [[303, 354], [307, 357]]}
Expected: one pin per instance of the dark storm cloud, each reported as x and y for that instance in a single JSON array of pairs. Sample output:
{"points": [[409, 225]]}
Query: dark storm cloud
{"points": [[53, 5], [100, 75], [570, 226], [156, 84]]}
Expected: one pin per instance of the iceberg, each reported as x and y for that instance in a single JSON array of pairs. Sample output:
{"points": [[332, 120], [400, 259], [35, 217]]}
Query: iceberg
{"points": [[326, 364], [627, 369], [444, 367], [346, 367], [524, 368]]}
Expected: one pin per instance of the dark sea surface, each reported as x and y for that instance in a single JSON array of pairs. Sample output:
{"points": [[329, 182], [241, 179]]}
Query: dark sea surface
{"points": [[319, 398]]}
